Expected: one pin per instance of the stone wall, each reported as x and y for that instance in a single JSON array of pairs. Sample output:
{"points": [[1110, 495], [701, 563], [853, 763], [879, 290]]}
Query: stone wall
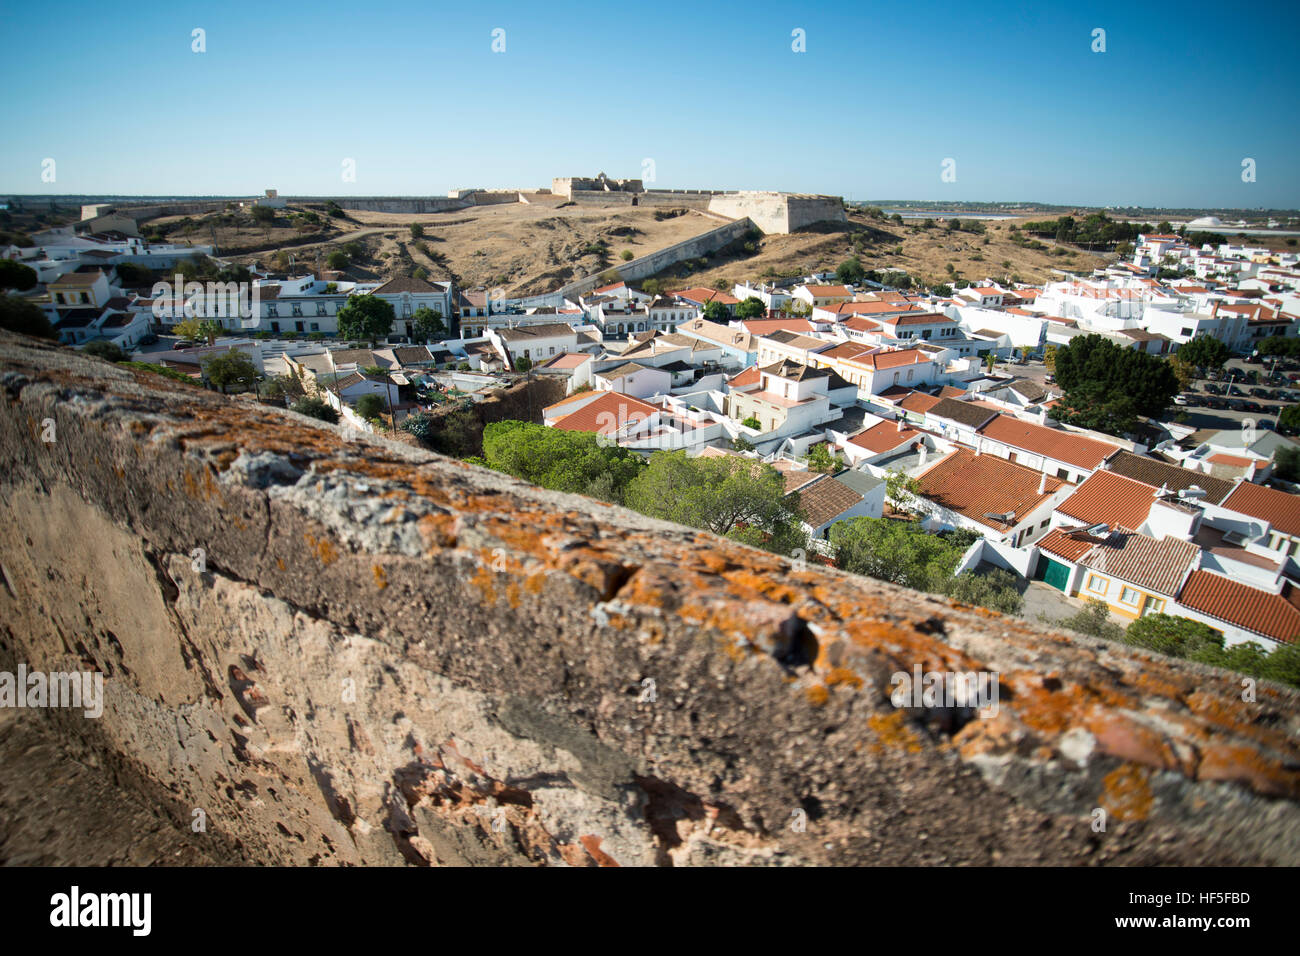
{"points": [[645, 266], [382, 656], [779, 212]]}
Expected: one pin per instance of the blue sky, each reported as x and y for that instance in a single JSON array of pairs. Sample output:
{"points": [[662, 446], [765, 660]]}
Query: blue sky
{"points": [[711, 92]]}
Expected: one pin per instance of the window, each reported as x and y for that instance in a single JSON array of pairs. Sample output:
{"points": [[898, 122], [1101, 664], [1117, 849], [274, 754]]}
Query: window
{"points": [[1153, 605], [1063, 473], [1130, 596], [298, 326], [315, 326], [1187, 332], [1045, 522], [297, 308], [272, 310], [1098, 584]]}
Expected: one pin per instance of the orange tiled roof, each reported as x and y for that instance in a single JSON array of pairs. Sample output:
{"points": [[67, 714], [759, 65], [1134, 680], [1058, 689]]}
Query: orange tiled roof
{"points": [[606, 413], [825, 499], [1261, 612], [1278, 508], [1051, 442], [884, 436], [1108, 498], [1158, 565], [977, 485]]}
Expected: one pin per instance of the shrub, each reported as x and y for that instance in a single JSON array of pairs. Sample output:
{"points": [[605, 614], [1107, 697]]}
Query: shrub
{"points": [[315, 408], [106, 351]]}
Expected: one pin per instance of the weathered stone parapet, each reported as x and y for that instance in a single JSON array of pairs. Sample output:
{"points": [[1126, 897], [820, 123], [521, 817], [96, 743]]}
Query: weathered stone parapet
{"points": [[355, 652]]}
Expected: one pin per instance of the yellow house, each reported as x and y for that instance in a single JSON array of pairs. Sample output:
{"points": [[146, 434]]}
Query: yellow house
{"points": [[1133, 573]]}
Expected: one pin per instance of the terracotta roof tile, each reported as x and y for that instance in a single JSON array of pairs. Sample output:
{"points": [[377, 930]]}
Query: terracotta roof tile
{"points": [[978, 485], [1108, 498], [1173, 477], [1050, 442], [1279, 509], [825, 499], [1272, 615], [1158, 565], [606, 413], [884, 436]]}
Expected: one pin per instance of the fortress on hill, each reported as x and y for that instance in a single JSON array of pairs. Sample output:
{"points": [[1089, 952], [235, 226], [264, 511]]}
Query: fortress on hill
{"points": [[772, 212]]}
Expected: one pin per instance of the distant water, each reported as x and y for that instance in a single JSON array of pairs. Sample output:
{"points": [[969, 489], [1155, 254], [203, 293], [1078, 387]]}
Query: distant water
{"points": [[915, 214]]}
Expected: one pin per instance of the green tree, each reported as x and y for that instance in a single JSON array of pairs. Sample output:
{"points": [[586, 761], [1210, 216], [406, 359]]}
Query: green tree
{"points": [[1288, 420], [898, 551], [901, 490], [19, 315], [751, 308], [106, 351], [1093, 620], [1184, 371], [1049, 358], [1170, 634], [752, 422], [16, 276], [427, 325], [995, 590], [1103, 381], [231, 369], [371, 407], [263, 215], [1286, 463], [316, 408], [365, 317], [417, 231], [337, 260], [191, 329], [850, 271], [1204, 351], [715, 311], [570, 461], [821, 459], [721, 494], [523, 363], [282, 386], [210, 329]]}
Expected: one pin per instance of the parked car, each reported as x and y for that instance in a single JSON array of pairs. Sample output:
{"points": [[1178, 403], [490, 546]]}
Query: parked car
{"points": [[1254, 359], [1252, 407], [182, 344], [1181, 400], [1236, 392], [1214, 389], [1259, 392], [1051, 379]]}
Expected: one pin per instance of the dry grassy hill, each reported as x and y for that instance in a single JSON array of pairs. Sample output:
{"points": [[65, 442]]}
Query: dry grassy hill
{"points": [[533, 248]]}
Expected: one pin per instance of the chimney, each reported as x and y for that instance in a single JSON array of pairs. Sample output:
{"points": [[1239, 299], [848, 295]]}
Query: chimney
{"points": [[900, 424], [1042, 484]]}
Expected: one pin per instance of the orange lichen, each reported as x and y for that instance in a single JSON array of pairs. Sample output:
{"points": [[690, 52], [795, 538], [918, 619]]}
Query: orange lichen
{"points": [[1126, 794], [894, 733], [817, 695], [842, 675], [592, 845], [324, 549], [381, 576]]}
